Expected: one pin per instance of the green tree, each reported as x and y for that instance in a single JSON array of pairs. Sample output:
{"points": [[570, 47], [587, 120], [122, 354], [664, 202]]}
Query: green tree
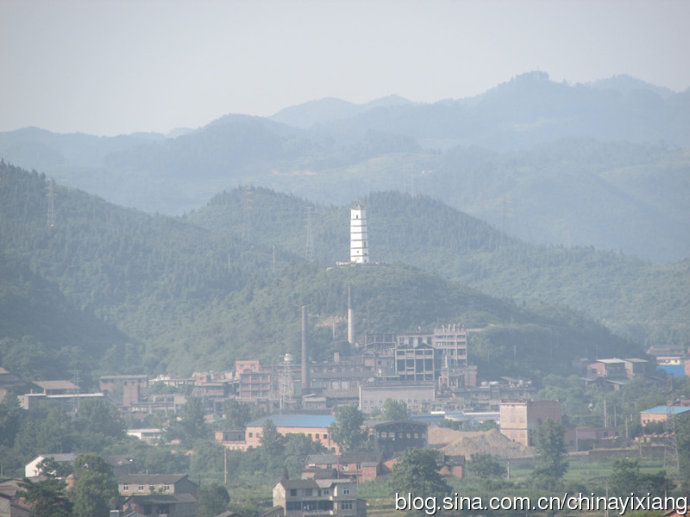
{"points": [[297, 448], [394, 410], [47, 498], [272, 446], [417, 472], [95, 488], [484, 465], [213, 499], [10, 420], [347, 430], [550, 445], [237, 414], [626, 477], [191, 424]]}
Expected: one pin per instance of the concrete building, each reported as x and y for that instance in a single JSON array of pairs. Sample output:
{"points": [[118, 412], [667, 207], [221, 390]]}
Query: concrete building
{"points": [[33, 468], [313, 426], [150, 435], [125, 390], [661, 413], [418, 397], [394, 437], [360, 466], [518, 420], [316, 497], [158, 494]]}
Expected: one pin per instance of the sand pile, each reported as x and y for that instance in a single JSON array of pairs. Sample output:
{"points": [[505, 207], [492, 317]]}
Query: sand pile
{"points": [[477, 442]]}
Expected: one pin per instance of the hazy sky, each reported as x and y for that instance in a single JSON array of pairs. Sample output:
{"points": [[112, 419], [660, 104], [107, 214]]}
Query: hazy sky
{"points": [[123, 66]]}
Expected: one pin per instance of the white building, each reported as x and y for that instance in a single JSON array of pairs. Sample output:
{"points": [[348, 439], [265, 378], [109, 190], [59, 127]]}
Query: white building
{"points": [[359, 242]]}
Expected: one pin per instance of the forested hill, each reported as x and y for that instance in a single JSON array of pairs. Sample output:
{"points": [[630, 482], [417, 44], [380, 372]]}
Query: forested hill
{"points": [[186, 297], [604, 165], [645, 302]]}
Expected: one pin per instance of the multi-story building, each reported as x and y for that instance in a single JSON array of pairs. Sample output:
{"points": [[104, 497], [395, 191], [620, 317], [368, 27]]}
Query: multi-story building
{"points": [[361, 466], [418, 397], [518, 420], [255, 382], [125, 390], [159, 494], [318, 497]]}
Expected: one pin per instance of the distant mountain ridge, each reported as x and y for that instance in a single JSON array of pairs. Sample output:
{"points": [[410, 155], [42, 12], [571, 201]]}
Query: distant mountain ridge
{"points": [[526, 156]]}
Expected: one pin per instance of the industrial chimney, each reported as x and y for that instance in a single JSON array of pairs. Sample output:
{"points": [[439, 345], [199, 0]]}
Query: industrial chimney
{"points": [[350, 318]]}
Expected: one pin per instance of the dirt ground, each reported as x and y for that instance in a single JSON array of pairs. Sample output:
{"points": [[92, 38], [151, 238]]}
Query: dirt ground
{"points": [[475, 442]]}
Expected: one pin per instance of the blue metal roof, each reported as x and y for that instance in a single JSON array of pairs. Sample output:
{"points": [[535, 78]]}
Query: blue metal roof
{"points": [[674, 410], [675, 370], [295, 420]]}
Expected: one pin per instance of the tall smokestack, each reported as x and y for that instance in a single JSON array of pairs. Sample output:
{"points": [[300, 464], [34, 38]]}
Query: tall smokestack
{"points": [[350, 318], [305, 352]]}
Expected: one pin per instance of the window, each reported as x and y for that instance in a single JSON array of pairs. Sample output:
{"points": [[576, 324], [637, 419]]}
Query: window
{"points": [[251, 435], [293, 492], [125, 488], [346, 491], [141, 488], [325, 436], [346, 505], [166, 487]]}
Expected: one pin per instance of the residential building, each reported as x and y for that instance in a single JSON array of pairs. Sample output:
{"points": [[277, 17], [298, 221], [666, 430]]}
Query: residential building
{"points": [[32, 469], [172, 495], [12, 502], [361, 466], [316, 497], [518, 420]]}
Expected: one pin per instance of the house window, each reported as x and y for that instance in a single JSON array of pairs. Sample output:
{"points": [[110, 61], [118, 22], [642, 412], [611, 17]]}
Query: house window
{"points": [[346, 506], [325, 436], [125, 488], [346, 491], [293, 492], [141, 488], [166, 487], [251, 435]]}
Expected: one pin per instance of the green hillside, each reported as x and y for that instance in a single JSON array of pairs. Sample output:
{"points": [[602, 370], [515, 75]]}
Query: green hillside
{"points": [[200, 298], [645, 302]]}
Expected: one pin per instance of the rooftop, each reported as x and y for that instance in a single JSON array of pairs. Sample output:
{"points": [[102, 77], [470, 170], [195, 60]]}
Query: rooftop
{"points": [[150, 479], [295, 420], [674, 410]]}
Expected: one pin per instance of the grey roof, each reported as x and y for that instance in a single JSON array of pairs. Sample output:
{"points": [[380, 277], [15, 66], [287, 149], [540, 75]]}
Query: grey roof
{"points": [[298, 483], [150, 479], [56, 385], [365, 458]]}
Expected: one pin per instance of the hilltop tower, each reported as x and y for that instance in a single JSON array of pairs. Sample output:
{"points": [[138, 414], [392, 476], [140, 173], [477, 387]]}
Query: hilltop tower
{"points": [[359, 243]]}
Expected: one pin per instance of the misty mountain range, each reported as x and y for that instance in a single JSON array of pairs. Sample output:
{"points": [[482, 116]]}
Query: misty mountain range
{"points": [[603, 164]]}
